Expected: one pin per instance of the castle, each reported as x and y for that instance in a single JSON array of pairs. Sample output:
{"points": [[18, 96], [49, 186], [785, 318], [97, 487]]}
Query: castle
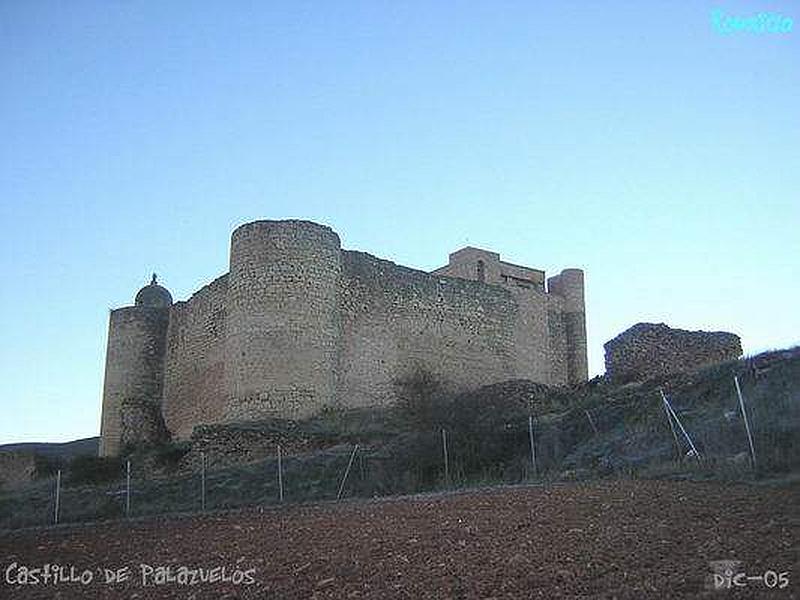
{"points": [[298, 324]]}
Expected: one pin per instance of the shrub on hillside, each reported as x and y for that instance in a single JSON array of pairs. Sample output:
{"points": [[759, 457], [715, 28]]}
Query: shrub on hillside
{"points": [[46, 466], [424, 401], [486, 434], [94, 469], [168, 455]]}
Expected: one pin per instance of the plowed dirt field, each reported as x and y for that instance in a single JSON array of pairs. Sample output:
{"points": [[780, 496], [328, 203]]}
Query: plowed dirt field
{"points": [[624, 539]]}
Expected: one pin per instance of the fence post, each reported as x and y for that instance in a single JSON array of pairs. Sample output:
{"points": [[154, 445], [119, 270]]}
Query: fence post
{"points": [[671, 424], [280, 475], [746, 422], [591, 422], [446, 460], [678, 421], [58, 495], [203, 481], [128, 489], [533, 446], [346, 471]]}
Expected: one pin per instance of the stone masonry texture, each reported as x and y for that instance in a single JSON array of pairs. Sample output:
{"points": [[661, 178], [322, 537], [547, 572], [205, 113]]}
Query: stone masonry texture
{"points": [[142, 423], [134, 366], [650, 350], [298, 325]]}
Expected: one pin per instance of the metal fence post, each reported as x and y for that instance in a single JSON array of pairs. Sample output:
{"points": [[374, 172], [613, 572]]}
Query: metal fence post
{"points": [[446, 459], [671, 424], [533, 446], [203, 481], [591, 422], [128, 489], [746, 422], [58, 495], [678, 421], [280, 475], [346, 471]]}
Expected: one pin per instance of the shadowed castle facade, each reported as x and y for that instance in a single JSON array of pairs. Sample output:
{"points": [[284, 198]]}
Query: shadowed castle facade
{"points": [[298, 324]]}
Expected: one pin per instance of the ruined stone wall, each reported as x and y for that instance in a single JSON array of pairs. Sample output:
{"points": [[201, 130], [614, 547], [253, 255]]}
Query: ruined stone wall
{"points": [[134, 365], [283, 334], [648, 350], [238, 443], [194, 370], [396, 320]]}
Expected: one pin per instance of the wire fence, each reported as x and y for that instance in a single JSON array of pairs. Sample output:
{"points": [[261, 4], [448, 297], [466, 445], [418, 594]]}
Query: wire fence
{"points": [[654, 438]]}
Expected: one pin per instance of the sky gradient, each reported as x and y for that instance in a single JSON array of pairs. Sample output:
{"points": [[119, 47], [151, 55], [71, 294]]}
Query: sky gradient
{"points": [[628, 139]]}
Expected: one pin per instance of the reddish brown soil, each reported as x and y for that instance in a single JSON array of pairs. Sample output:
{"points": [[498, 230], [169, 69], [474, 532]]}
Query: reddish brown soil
{"points": [[627, 539]]}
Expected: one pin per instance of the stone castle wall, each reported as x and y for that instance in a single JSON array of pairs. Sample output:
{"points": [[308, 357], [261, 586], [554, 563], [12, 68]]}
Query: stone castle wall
{"points": [[283, 334], [141, 423], [299, 324], [194, 368], [650, 350], [561, 310], [134, 366], [535, 357], [557, 341], [396, 320], [569, 286]]}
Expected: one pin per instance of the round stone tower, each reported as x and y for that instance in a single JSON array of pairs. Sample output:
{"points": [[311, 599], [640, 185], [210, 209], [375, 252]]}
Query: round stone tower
{"points": [[569, 285], [134, 359], [283, 319]]}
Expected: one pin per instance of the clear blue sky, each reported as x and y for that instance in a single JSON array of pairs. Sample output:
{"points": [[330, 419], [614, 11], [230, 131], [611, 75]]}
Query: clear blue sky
{"points": [[626, 138]]}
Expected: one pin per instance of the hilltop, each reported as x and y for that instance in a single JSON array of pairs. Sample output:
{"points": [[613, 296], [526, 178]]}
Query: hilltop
{"points": [[592, 431], [62, 450]]}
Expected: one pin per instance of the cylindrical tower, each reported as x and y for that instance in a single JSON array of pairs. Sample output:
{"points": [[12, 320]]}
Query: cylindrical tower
{"points": [[134, 359], [569, 285], [283, 319]]}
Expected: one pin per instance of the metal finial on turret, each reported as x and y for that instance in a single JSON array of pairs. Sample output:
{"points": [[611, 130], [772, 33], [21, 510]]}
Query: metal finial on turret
{"points": [[154, 282]]}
